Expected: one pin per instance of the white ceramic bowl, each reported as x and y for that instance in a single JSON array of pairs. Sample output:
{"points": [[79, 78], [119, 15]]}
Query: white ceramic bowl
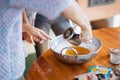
{"points": [[58, 43]]}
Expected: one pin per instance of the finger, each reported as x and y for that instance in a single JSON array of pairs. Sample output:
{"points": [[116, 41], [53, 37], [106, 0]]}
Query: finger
{"points": [[40, 35], [42, 41], [46, 35], [36, 39], [31, 40], [28, 40], [84, 38], [27, 37], [80, 35]]}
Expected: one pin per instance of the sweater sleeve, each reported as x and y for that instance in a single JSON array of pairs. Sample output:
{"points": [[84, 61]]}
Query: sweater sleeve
{"points": [[49, 8]]}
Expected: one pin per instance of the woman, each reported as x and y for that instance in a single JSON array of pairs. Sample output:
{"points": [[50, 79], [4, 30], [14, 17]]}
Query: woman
{"points": [[12, 57]]}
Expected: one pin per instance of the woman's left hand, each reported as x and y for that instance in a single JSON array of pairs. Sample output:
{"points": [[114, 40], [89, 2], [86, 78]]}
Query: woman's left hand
{"points": [[34, 34]]}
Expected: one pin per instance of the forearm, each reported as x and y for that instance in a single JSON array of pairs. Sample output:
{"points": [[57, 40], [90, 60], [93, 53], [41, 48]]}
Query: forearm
{"points": [[24, 16], [74, 13], [25, 22]]}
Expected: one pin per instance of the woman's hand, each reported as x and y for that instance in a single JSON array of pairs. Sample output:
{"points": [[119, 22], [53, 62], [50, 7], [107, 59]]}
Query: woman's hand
{"points": [[28, 37], [74, 13], [34, 34], [31, 33], [86, 34]]}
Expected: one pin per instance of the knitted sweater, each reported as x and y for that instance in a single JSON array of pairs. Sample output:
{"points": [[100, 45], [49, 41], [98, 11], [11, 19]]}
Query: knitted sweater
{"points": [[12, 55]]}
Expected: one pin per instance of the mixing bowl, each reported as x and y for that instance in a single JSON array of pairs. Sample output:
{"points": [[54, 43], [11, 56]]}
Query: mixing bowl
{"points": [[59, 43]]}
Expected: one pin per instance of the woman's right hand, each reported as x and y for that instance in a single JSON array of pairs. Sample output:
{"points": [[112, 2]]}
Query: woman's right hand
{"points": [[75, 14], [86, 34]]}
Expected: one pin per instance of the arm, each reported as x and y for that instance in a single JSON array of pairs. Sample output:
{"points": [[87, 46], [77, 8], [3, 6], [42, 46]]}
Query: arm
{"points": [[74, 13], [69, 9], [24, 17]]}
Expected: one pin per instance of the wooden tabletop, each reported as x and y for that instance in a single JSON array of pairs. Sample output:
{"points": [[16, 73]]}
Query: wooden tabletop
{"points": [[47, 67]]}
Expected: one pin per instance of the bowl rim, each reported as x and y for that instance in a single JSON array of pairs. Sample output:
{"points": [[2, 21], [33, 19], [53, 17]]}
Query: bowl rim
{"points": [[77, 55]]}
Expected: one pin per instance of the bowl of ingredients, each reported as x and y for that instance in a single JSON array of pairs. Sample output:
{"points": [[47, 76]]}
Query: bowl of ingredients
{"points": [[69, 53]]}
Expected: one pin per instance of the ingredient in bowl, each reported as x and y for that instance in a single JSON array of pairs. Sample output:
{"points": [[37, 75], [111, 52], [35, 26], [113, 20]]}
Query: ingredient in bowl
{"points": [[79, 49]]}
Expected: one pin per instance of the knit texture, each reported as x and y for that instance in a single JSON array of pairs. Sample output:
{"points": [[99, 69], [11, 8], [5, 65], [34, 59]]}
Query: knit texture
{"points": [[12, 54]]}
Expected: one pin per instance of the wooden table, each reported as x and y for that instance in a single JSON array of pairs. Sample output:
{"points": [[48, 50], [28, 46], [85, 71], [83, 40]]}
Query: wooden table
{"points": [[47, 67]]}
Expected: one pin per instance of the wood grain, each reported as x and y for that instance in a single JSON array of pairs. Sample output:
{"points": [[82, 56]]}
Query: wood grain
{"points": [[47, 67]]}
